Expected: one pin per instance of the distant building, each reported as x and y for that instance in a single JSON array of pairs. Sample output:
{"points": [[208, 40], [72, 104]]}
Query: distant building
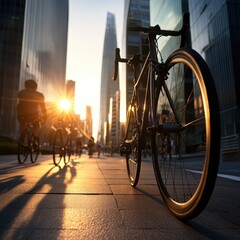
{"points": [[114, 121], [108, 86], [89, 122], [70, 92], [33, 44]]}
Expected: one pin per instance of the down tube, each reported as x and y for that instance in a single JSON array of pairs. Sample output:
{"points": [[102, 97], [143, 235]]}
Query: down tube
{"points": [[152, 94]]}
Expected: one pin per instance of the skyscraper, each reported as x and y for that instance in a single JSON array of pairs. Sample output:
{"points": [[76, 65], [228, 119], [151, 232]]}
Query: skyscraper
{"points": [[89, 124], [108, 86], [33, 44], [70, 92], [137, 13], [11, 34]]}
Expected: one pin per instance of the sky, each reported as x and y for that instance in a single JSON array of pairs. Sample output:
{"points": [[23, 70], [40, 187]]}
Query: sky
{"points": [[86, 31]]}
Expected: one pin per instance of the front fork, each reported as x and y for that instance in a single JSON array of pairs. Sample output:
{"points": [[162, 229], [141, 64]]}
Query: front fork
{"points": [[133, 143]]}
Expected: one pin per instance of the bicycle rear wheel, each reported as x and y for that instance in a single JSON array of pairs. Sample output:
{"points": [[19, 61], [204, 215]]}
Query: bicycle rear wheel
{"points": [[132, 143], [35, 148], [58, 147], [23, 147], [68, 149], [186, 145]]}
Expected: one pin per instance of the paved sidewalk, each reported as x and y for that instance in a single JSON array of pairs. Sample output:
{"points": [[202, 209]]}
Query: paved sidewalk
{"points": [[92, 199]]}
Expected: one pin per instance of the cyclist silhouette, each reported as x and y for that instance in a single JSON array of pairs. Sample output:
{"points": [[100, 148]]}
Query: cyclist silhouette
{"points": [[30, 103]]}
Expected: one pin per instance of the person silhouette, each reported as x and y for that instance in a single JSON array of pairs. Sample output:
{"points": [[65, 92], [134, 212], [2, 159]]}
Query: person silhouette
{"points": [[31, 107]]}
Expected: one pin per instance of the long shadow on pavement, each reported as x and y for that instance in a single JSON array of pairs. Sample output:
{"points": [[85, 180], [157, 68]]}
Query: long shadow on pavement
{"points": [[19, 221]]}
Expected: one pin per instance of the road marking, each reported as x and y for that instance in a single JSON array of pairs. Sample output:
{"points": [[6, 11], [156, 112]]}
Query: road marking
{"points": [[234, 178]]}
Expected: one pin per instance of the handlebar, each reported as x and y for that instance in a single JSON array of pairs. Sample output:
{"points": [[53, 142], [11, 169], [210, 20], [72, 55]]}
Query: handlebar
{"points": [[156, 30], [131, 61], [116, 61], [117, 57]]}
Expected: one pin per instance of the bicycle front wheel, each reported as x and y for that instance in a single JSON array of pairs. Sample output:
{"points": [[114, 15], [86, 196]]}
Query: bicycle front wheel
{"points": [[132, 143], [186, 144], [58, 147], [23, 147]]}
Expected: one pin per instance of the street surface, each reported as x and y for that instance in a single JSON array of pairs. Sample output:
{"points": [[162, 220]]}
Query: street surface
{"points": [[91, 198]]}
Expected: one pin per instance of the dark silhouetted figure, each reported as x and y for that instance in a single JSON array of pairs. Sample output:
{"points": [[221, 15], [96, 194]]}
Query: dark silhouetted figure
{"points": [[31, 107], [91, 146]]}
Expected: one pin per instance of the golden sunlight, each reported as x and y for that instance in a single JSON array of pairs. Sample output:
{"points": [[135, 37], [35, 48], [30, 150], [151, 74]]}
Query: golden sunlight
{"points": [[64, 105]]}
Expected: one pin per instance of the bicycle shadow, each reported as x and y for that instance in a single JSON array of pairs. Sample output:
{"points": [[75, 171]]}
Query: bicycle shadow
{"points": [[39, 207], [16, 166], [6, 184]]}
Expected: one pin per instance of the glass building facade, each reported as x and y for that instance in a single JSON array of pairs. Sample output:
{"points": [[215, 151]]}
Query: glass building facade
{"points": [[168, 14], [215, 30], [137, 13], [33, 44], [215, 33], [11, 33]]}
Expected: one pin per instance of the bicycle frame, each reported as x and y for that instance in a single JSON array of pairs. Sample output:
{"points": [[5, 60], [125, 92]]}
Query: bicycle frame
{"points": [[148, 96], [153, 86]]}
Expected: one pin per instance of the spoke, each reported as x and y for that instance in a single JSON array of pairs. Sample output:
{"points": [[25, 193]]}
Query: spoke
{"points": [[195, 122]]}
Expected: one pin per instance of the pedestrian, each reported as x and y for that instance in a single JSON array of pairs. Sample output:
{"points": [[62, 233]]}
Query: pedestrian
{"points": [[79, 146], [91, 146], [99, 149]]}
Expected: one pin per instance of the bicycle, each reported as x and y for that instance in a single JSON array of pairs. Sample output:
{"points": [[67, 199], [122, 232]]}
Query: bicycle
{"points": [[28, 145], [178, 113], [62, 145]]}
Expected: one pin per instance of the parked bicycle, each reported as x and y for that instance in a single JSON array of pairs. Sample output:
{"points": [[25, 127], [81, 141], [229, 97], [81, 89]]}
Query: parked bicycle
{"points": [[28, 145], [62, 145], [174, 108]]}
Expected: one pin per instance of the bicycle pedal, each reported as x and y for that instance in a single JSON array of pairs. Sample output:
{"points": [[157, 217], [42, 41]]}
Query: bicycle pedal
{"points": [[152, 128], [125, 149]]}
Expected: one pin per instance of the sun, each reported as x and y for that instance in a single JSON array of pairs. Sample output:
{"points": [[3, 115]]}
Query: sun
{"points": [[64, 105]]}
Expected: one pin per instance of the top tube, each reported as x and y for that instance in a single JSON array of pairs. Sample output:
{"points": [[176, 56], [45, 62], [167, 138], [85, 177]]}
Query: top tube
{"points": [[156, 30]]}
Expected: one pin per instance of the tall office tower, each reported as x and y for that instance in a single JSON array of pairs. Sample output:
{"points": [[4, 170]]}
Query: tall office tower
{"points": [[108, 86], [114, 120], [11, 34], [88, 124], [70, 92], [33, 44], [137, 13], [215, 34]]}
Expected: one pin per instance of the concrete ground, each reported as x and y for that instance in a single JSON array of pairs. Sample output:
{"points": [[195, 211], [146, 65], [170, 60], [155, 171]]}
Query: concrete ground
{"points": [[91, 198]]}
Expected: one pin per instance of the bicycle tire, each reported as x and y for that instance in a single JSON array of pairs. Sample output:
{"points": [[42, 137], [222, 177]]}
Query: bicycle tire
{"points": [[133, 159], [187, 173], [35, 148], [23, 147], [58, 147], [68, 153]]}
